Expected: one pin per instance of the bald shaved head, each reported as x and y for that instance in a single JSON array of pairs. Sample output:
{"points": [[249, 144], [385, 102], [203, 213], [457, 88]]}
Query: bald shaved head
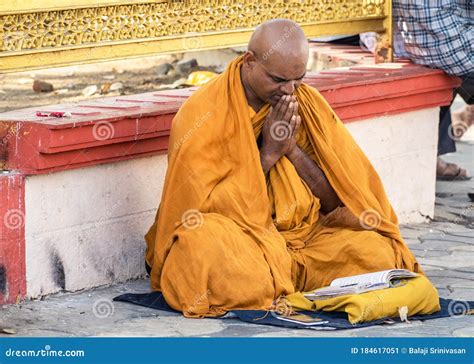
{"points": [[275, 62], [279, 38]]}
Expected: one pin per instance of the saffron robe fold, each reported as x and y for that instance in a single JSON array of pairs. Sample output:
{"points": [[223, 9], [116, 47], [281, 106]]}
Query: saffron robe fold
{"points": [[226, 237]]}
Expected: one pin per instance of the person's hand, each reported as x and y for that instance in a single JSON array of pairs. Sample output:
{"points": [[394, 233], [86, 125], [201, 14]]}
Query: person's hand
{"points": [[297, 121], [280, 128]]}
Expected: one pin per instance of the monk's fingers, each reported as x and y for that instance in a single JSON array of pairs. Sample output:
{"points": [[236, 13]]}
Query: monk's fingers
{"points": [[298, 125], [292, 126], [292, 99], [295, 108], [271, 113], [277, 109], [283, 108], [289, 111]]}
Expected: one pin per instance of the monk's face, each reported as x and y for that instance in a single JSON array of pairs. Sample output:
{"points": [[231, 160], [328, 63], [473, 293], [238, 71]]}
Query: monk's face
{"points": [[274, 77]]}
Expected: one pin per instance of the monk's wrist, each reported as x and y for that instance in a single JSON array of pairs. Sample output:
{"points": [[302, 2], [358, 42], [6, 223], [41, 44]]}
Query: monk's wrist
{"points": [[267, 160], [294, 154]]}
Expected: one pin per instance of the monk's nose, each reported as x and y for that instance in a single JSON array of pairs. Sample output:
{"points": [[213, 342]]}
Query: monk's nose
{"points": [[289, 87]]}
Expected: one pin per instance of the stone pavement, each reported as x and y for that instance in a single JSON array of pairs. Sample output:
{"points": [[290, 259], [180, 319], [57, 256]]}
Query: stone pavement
{"points": [[444, 247]]}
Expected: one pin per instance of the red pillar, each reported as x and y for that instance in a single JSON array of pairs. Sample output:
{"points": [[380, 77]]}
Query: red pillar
{"points": [[12, 237]]}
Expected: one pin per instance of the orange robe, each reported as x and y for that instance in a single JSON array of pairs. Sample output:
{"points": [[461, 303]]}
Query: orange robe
{"points": [[225, 237]]}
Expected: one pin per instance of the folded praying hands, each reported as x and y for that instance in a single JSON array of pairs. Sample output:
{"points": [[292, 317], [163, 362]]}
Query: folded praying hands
{"points": [[279, 131]]}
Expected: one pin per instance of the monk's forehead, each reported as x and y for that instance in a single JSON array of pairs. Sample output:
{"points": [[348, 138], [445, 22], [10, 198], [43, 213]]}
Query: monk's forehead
{"points": [[286, 62]]}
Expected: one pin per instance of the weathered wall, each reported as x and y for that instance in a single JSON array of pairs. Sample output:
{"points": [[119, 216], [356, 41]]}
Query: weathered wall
{"points": [[85, 227], [403, 149]]}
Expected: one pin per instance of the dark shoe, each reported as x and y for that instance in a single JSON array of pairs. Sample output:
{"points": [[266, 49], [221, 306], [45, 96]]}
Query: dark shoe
{"points": [[450, 172]]}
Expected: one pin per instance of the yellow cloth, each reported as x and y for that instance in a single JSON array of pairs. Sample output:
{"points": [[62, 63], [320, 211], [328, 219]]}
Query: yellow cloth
{"points": [[418, 295], [226, 239], [200, 78]]}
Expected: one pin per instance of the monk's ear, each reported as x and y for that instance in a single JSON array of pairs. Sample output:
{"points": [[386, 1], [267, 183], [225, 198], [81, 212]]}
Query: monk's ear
{"points": [[249, 59]]}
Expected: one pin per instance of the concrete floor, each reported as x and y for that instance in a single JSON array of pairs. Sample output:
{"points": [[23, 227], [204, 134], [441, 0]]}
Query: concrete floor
{"points": [[444, 247]]}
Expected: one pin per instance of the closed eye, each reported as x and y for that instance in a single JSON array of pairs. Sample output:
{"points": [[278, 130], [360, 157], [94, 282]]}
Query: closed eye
{"points": [[281, 80], [278, 79]]}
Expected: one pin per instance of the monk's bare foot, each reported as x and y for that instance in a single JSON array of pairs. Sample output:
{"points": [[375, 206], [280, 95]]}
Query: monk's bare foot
{"points": [[450, 172]]}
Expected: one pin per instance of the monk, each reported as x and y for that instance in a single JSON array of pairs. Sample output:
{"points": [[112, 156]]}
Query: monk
{"points": [[266, 192]]}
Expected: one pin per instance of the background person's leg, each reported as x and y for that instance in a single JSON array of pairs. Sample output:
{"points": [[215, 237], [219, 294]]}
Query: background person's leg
{"points": [[466, 90], [464, 118], [449, 132], [446, 143]]}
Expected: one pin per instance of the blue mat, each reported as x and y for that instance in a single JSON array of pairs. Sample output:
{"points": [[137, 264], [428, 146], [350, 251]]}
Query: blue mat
{"points": [[335, 320]]}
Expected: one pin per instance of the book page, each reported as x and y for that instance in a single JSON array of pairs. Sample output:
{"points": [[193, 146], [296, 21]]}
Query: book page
{"points": [[359, 283], [362, 279]]}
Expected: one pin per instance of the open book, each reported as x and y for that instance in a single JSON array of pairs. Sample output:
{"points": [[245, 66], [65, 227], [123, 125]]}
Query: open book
{"points": [[360, 283]]}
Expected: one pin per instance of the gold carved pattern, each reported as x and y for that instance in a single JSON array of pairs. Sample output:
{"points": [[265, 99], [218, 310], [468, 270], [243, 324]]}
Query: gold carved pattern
{"points": [[138, 22]]}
